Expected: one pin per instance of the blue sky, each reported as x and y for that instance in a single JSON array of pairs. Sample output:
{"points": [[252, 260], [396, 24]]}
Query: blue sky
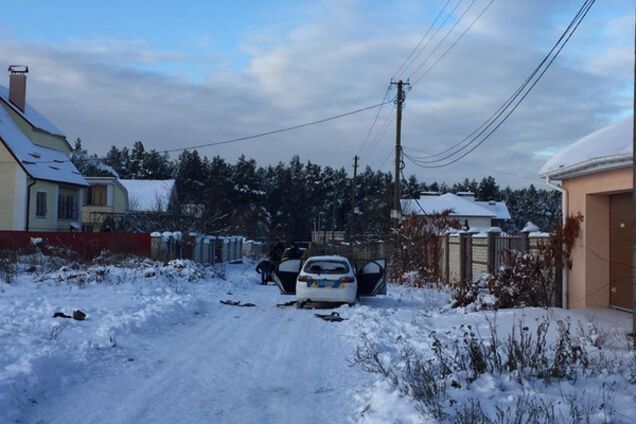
{"points": [[176, 73]]}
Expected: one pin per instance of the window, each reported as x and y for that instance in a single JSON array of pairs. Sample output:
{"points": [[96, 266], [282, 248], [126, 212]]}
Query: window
{"points": [[96, 195], [67, 207], [40, 204], [326, 267]]}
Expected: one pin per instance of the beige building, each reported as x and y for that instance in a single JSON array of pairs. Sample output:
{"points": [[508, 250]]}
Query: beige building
{"points": [[41, 189], [105, 196], [595, 177]]}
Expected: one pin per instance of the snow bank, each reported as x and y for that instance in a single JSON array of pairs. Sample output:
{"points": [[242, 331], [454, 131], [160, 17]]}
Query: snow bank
{"points": [[39, 353]]}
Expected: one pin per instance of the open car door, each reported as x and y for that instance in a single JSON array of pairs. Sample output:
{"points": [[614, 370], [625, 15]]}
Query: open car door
{"points": [[372, 278], [286, 274]]}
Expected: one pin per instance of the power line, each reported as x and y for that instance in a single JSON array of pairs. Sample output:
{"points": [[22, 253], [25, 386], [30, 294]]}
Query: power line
{"points": [[385, 127], [451, 29], [578, 18], [509, 101], [250, 137], [432, 37], [280, 130], [375, 120], [468, 28], [421, 40]]}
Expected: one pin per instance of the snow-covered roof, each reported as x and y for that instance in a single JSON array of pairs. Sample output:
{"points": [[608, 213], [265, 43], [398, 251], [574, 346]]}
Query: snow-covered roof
{"points": [[461, 206], [500, 208], [39, 162], [148, 195], [31, 114], [608, 148]]}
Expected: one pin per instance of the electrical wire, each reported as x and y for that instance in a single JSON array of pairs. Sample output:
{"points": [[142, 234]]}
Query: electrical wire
{"points": [[584, 9], [509, 101], [421, 40], [375, 120], [250, 137], [450, 30], [380, 135], [432, 37], [439, 59]]}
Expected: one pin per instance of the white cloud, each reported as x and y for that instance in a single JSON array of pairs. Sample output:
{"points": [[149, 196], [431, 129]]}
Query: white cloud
{"points": [[339, 60]]}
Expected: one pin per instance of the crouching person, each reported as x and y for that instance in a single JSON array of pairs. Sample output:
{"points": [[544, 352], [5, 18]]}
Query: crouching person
{"points": [[265, 268]]}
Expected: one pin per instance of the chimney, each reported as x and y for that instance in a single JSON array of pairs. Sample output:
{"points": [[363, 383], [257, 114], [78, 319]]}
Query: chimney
{"points": [[468, 195], [17, 85]]}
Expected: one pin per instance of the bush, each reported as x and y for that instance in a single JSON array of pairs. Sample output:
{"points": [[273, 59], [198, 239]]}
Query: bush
{"points": [[525, 279], [8, 267], [524, 356], [415, 248]]}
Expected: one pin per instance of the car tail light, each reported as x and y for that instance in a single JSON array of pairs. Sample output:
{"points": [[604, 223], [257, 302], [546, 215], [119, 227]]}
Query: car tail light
{"points": [[304, 278], [347, 279]]}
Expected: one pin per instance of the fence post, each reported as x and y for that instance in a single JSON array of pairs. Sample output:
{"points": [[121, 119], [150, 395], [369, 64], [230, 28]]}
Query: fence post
{"points": [[526, 241], [447, 258], [465, 257], [558, 279], [492, 251]]}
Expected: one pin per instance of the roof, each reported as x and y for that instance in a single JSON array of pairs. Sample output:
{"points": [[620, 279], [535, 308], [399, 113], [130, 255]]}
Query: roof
{"points": [[500, 208], [607, 148], [39, 162], [148, 195], [31, 115], [461, 206]]}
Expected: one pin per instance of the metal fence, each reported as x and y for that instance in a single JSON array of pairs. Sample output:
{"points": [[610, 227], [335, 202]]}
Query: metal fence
{"points": [[205, 249], [86, 245]]}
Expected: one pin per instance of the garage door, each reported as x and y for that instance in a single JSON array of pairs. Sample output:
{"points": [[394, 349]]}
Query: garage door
{"points": [[621, 250]]}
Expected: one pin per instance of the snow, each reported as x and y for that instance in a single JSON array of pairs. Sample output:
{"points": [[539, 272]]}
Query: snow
{"points": [[31, 114], [149, 195], [461, 206], [530, 228], [157, 346], [607, 148], [40, 162], [500, 208]]}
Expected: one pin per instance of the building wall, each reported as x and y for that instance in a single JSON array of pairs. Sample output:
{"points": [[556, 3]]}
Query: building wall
{"points": [[38, 137], [12, 192], [475, 222], [116, 203], [588, 280], [51, 222], [48, 222]]}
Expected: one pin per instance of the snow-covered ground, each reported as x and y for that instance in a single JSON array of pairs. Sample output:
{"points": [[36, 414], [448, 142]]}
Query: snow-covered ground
{"points": [[157, 346]]}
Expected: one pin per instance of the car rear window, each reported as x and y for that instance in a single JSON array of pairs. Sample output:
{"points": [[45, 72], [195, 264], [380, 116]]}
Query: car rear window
{"points": [[326, 267]]}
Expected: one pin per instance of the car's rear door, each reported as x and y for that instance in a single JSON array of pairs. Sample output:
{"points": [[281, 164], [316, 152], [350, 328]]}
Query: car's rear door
{"points": [[286, 274], [371, 277]]}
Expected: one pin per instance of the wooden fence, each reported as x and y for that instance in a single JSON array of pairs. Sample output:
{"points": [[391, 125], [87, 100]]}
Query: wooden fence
{"points": [[86, 245], [466, 256]]}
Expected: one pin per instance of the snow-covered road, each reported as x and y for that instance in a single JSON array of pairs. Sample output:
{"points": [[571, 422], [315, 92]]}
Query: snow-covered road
{"points": [[226, 364]]}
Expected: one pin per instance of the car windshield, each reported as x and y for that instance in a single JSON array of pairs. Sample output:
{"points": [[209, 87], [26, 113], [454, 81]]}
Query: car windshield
{"points": [[326, 267]]}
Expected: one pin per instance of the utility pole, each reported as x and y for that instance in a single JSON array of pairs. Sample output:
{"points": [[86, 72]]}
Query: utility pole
{"points": [[395, 213], [634, 204], [333, 213], [353, 194]]}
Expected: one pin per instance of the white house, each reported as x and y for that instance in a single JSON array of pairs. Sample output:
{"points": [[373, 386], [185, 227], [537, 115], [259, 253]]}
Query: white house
{"points": [[464, 207], [41, 188], [150, 195]]}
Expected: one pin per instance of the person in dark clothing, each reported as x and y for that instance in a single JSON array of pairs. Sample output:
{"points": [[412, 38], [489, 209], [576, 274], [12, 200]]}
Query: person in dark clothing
{"points": [[277, 250], [265, 268], [295, 253]]}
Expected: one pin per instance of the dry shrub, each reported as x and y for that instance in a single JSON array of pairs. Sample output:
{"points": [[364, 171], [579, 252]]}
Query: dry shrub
{"points": [[526, 279], [415, 248], [8, 266]]}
